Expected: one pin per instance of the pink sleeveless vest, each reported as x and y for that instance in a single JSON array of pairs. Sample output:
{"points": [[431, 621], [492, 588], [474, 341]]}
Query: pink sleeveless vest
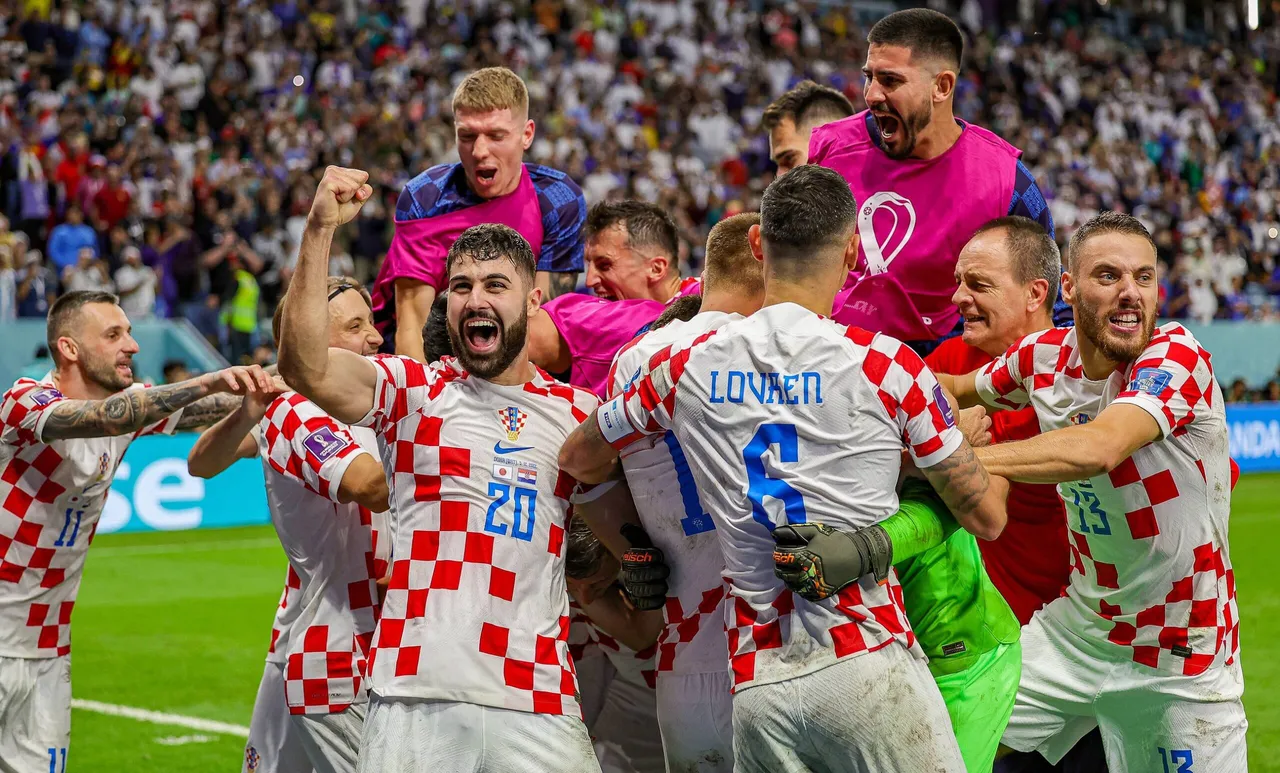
{"points": [[595, 329], [419, 247], [914, 216]]}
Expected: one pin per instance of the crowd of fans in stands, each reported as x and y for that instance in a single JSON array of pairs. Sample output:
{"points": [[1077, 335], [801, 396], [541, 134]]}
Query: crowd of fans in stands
{"points": [[167, 149]]}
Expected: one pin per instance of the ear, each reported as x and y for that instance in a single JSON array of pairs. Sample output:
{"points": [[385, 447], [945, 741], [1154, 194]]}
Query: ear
{"points": [[1068, 289], [658, 266], [526, 139], [68, 348], [1038, 295], [851, 251], [753, 240], [944, 86], [534, 300]]}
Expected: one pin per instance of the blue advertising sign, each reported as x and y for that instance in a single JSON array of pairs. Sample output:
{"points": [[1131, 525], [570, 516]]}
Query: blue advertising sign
{"points": [[1254, 429], [153, 492]]}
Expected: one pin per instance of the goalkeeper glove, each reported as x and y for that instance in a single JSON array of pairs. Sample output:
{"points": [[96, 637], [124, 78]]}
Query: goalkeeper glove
{"points": [[644, 571], [817, 561]]}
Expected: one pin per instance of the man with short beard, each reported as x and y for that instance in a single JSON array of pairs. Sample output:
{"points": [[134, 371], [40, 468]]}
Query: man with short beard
{"points": [[61, 439], [1144, 644], [925, 181], [469, 668]]}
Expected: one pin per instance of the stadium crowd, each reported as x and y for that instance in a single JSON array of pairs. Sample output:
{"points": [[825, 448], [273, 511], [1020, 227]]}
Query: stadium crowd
{"points": [[169, 150]]}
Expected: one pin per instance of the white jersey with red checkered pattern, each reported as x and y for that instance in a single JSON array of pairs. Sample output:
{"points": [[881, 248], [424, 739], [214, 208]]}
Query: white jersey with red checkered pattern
{"points": [[788, 417], [305, 453], [477, 609], [1150, 567], [51, 495], [286, 613], [666, 499]]}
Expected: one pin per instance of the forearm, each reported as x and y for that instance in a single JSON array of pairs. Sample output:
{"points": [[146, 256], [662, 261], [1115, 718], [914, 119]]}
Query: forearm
{"points": [[963, 388], [1071, 453], [586, 455], [208, 410], [219, 447], [921, 523], [607, 512], [965, 487], [304, 352], [409, 338], [120, 414], [634, 629]]}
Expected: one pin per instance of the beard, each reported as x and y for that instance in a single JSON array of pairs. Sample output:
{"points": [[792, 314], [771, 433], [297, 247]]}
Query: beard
{"points": [[101, 371], [1093, 326], [510, 342], [909, 128]]}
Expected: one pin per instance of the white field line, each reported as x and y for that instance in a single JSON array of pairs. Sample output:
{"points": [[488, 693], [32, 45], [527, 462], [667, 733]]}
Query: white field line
{"points": [[185, 547], [161, 718]]}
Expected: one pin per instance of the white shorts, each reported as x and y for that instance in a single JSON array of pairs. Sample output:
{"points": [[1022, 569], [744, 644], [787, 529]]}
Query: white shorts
{"points": [[451, 737], [1151, 722], [879, 712], [35, 714], [695, 714], [625, 732], [332, 741], [274, 745]]}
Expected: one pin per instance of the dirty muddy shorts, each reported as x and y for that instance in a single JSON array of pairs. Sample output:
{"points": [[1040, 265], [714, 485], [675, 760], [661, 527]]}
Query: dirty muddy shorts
{"points": [[1151, 722], [695, 713], [980, 700], [879, 712]]}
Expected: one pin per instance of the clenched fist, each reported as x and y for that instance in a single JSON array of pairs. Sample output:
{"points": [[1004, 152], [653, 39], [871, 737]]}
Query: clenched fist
{"points": [[341, 194]]}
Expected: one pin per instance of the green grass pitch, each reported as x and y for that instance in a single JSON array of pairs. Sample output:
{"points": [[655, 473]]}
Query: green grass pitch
{"points": [[179, 623]]}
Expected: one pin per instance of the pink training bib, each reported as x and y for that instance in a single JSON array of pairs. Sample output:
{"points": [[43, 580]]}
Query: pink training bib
{"points": [[914, 216], [419, 247], [595, 329]]}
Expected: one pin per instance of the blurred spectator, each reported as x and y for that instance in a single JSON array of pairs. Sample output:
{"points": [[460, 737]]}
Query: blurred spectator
{"points": [[136, 285], [240, 310], [40, 365], [88, 274], [68, 238], [36, 287], [8, 285], [175, 371]]}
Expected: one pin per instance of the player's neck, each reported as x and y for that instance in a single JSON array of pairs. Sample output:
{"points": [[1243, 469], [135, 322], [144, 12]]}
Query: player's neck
{"points": [[521, 371], [1032, 326], [73, 385], [666, 289], [939, 136], [804, 294], [1096, 365], [728, 303]]}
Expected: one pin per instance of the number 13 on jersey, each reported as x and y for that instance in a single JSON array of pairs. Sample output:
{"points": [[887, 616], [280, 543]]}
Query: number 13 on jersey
{"points": [[760, 485]]}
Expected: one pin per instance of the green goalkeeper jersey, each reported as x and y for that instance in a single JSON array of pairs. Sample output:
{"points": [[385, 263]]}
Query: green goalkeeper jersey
{"points": [[955, 610]]}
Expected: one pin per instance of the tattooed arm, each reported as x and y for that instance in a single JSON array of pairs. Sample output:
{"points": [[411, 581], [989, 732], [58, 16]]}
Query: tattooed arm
{"points": [[134, 409], [586, 455], [975, 498], [556, 283], [207, 410]]}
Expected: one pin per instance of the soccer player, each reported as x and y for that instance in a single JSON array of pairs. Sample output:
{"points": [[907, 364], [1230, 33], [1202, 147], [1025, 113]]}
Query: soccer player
{"points": [[792, 117], [1144, 645], [61, 439], [490, 184], [907, 159], [811, 430], [694, 688], [470, 665], [326, 492], [632, 267]]}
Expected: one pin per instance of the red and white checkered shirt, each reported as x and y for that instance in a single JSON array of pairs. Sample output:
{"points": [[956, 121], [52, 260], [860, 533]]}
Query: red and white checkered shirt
{"points": [[1150, 568], [788, 417], [286, 613], [477, 609], [666, 498], [51, 495], [305, 453]]}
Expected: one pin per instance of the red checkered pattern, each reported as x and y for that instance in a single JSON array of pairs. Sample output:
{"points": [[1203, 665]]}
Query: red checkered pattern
{"points": [[330, 547], [51, 496], [638, 667], [286, 614], [909, 391], [476, 609], [1151, 572]]}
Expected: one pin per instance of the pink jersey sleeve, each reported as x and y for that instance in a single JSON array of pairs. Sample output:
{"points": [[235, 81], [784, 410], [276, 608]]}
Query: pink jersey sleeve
{"points": [[820, 142], [404, 386], [23, 412], [647, 406], [1172, 380], [1001, 383], [912, 396], [304, 443], [594, 329]]}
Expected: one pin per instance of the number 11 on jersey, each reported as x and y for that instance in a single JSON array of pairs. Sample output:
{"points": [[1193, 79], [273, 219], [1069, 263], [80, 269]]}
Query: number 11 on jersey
{"points": [[760, 485]]}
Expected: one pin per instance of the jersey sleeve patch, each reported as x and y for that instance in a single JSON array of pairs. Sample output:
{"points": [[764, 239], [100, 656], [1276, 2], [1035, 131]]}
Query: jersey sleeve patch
{"points": [[944, 406], [614, 424], [46, 396], [1151, 381], [325, 444]]}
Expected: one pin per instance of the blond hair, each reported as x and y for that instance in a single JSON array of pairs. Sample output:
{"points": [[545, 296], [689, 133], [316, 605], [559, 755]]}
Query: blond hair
{"points": [[729, 261], [492, 88]]}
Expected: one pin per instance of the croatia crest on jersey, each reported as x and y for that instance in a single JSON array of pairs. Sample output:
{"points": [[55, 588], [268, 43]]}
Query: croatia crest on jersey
{"points": [[512, 419]]}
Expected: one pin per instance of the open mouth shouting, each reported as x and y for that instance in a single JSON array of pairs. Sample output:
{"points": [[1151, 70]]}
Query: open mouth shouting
{"points": [[1125, 322], [890, 126], [483, 335], [486, 176]]}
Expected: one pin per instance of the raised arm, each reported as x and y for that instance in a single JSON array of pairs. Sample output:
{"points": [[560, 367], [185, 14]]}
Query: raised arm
{"points": [[229, 440], [133, 410], [365, 484], [413, 301], [339, 381]]}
